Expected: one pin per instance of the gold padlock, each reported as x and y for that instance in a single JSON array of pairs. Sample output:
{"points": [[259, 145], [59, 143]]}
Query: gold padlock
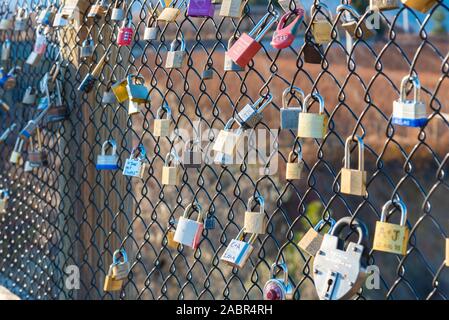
{"points": [[228, 140], [161, 127], [255, 221], [383, 5], [420, 5], [353, 24], [137, 92], [389, 237], [120, 90], [321, 28], [353, 181], [311, 241], [169, 14], [171, 172], [232, 8], [312, 125], [110, 283], [171, 243], [294, 168]]}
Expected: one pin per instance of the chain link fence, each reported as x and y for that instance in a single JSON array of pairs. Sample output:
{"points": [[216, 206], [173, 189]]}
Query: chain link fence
{"points": [[68, 213]]}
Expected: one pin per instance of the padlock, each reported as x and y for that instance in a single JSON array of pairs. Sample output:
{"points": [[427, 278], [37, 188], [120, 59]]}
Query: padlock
{"points": [[46, 15], [120, 265], [312, 125], [87, 48], [98, 9], [27, 167], [232, 8], [32, 125], [40, 42], [251, 114], [321, 28], [284, 35], [230, 65], [338, 273], [248, 44], [37, 157], [311, 241], [228, 139], [410, 113], [223, 159], [278, 289], [200, 8], [110, 283], [135, 166], [287, 6], [61, 19], [289, 115], [351, 20], [4, 136], [188, 232], [383, 5], [238, 251], [293, 169], [89, 80], [118, 13], [4, 197], [58, 110], [8, 81], [108, 96], [176, 56], [137, 92], [169, 14], [171, 172], [16, 154], [150, 31], [390, 237], [208, 73], [125, 34], [420, 5], [108, 161], [192, 156], [313, 53], [6, 22], [209, 223], [353, 181], [72, 7], [22, 18], [120, 90], [33, 59], [255, 221], [161, 127], [171, 243], [6, 50]]}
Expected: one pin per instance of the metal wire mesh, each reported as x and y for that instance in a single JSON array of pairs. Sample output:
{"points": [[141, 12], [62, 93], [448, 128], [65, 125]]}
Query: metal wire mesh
{"points": [[71, 214]]}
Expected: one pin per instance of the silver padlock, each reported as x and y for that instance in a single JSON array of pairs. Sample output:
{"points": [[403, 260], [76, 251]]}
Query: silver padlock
{"points": [[338, 273], [208, 73], [151, 31], [410, 113], [252, 114], [4, 197], [289, 115], [108, 96], [278, 289], [16, 154], [6, 50], [230, 65], [61, 19], [108, 161], [22, 18], [176, 55], [87, 48], [118, 12], [120, 265], [4, 136], [30, 96]]}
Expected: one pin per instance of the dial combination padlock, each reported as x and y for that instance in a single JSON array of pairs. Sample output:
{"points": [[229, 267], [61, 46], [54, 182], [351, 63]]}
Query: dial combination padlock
{"points": [[255, 221], [339, 274], [108, 161], [390, 237], [313, 53], [87, 48], [420, 5], [161, 126], [289, 115], [230, 65], [248, 44], [410, 113], [176, 55], [321, 27], [22, 18], [311, 241], [4, 197], [278, 288], [171, 172], [232, 8], [356, 27], [353, 181], [200, 8], [170, 13], [284, 35], [383, 5], [125, 34], [89, 80], [294, 167], [251, 114], [238, 250], [312, 125], [135, 166], [228, 138], [188, 232], [118, 11], [192, 156]]}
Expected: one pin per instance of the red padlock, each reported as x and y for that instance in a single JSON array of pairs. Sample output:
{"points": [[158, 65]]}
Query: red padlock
{"points": [[246, 47], [284, 36], [125, 34]]}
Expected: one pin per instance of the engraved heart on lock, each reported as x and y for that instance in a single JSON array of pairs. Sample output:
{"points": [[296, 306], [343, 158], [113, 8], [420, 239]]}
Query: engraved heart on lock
{"points": [[161, 127], [232, 8], [289, 115], [171, 172], [4, 198], [125, 34], [311, 241], [420, 5], [176, 54], [238, 250], [188, 232], [321, 28], [255, 221], [228, 138], [410, 113], [278, 289], [353, 24], [312, 125], [353, 181], [108, 161], [251, 114], [284, 35], [200, 8], [383, 5]]}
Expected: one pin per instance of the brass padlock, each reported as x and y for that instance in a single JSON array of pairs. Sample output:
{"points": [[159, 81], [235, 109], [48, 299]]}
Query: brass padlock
{"points": [[169, 14], [98, 9], [176, 55], [4, 197], [228, 138], [353, 24], [383, 5], [255, 221], [390, 237], [238, 250], [171, 173], [353, 181], [321, 28], [420, 5], [112, 284], [171, 243], [16, 154], [137, 92], [294, 167], [311, 241], [312, 125], [232, 8], [161, 127], [120, 90]]}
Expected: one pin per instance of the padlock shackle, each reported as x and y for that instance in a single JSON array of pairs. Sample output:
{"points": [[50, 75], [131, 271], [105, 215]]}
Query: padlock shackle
{"points": [[118, 255], [283, 267], [194, 206], [321, 224], [314, 97], [291, 155], [171, 157], [190, 144], [173, 45], [361, 148], [349, 9], [416, 85], [138, 79], [141, 152], [111, 143], [396, 203], [229, 124], [258, 199], [164, 107], [242, 234], [256, 28], [262, 102], [322, 7], [292, 90], [359, 226], [295, 23]]}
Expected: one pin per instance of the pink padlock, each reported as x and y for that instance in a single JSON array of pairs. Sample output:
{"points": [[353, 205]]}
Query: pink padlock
{"points": [[284, 36], [125, 34]]}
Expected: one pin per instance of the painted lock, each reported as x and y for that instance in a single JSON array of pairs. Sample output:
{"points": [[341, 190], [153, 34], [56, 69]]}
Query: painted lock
{"points": [[312, 125], [410, 113], [192, 156], [4, 197], [251, 114], [321, 27], [232, 8], [383, 5], [390, 237], [289, 115], [294, 167], [284, 35], [255, 221], [311, 241], [228, 138], [238, 250], [118, 12], [353, 181], [230, 65], [176, 55], [248, 44], [278, 288], [200, 8], [16, 153], [120, 265], [171, 172], [339, 273], [22, 18], [134, 165], [87, 48], [353, 24], [169, 13], [108, 161], [125, 34], [188, 232], [420, 5], [120, 90], [161, 126]]}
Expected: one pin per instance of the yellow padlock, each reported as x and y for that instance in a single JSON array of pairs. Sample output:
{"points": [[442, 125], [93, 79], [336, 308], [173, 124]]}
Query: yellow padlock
{"points": [[312, 125], [420, 5], [120, 91], [353, 181]]}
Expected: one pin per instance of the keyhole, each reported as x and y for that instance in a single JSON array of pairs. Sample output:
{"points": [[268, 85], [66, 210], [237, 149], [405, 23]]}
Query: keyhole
{"points": [[329, 284]]}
